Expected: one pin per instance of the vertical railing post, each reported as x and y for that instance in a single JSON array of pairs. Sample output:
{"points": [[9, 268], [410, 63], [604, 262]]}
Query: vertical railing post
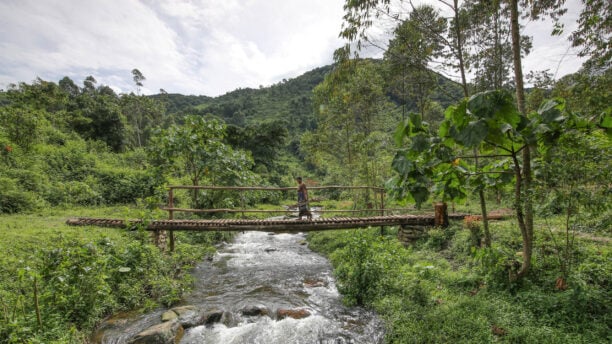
{"points": [[441, 215], [170, 203], [382, 202], [171, 215], [242, 207]]}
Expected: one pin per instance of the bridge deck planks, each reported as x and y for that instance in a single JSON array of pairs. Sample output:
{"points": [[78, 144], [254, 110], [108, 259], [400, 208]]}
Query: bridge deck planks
{"points": [[278, 225]]}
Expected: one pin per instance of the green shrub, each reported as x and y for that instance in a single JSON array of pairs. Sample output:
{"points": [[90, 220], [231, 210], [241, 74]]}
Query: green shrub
{"points": [[73, 193], [80, 278], [362, 267], [439, 238], [122, 186], [74, 283], [14, 200], [28, 180], [69, 162]]}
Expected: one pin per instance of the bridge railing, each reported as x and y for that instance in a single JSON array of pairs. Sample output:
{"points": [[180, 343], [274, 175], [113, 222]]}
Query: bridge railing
{"points": [[377, 206]]}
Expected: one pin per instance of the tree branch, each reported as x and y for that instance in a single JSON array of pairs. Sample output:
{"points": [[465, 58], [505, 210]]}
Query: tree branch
{"points": [[485, 156]]}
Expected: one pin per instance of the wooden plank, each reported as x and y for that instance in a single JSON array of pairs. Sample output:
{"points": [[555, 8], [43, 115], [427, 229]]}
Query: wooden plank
{"points": [[261, 225]]}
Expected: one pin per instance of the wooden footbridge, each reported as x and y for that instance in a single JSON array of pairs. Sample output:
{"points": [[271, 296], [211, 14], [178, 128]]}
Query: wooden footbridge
{"points": [[376, 215], [268, 225]]}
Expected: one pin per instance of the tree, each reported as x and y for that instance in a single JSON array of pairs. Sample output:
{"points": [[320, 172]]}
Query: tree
{"points": [[594, 33], [415, 42], [574, 182], [143, 114], [351, 111], [524, 175], [491, 120], [138, 79], [101, 119], [586, 93], [196, 149], [488, 34], [89, 84], [263, 140], [68, 86]]}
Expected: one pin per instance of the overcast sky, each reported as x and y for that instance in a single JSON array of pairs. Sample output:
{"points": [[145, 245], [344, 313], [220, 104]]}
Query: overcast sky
{"points": [[191, 47]]}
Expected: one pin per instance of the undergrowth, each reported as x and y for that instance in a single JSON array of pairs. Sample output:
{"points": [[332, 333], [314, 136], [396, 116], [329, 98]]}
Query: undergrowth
{"points": [[443, 289], [58, 282]]}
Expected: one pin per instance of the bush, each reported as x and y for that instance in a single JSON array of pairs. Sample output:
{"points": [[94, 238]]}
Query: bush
{"points": [[76, 282], [14, 200], [28, 180], [121, 186], [439, 238], [362, 267], [67, 163], [73, 193]]}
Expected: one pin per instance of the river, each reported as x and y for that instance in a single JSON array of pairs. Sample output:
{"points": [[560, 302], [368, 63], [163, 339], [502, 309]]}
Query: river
{"points": [[272, 289]]}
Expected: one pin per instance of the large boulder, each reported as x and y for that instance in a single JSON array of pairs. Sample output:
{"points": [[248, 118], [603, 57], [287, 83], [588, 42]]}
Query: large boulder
{"points": [[255, 310], [299, 313], [169, 332], [191, 316]]}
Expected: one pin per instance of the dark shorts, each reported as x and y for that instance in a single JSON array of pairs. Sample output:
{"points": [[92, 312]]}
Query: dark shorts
{"points": [[304, 210]]}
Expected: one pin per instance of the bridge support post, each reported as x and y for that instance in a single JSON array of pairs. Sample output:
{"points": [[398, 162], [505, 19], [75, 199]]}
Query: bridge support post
{"points": [[441, 215], [160, 239], [408, 234]]}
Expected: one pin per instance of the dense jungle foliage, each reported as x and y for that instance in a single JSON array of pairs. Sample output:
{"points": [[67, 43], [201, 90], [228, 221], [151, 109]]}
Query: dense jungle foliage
{"points": [[543, 276]]}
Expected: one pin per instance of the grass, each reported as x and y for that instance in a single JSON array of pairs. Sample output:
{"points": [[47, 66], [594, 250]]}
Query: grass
{"points": [[442, 290], [58, 281]]}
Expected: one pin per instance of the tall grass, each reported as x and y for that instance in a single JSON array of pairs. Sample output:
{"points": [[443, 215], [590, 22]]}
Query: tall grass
{"points": [[57, 282]]}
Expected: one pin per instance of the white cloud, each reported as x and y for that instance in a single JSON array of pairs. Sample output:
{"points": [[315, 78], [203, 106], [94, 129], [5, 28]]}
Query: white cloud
{"points": [[554, 53], [190, 47]]}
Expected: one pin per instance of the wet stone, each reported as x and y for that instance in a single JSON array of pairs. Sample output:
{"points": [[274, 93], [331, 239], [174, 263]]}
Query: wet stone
{"points": [[228, 319], [255, 310], [312, 283], [188, 316], [213, 316], [292, 313], [168, 332]]}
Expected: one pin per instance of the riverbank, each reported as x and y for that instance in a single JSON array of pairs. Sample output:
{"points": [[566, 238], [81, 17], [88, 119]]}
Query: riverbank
{"points": [[58, 282], [444, 290]]}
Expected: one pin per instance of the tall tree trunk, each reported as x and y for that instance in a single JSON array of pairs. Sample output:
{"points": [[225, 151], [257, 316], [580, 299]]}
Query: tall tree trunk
{"points": [[483, 206], [524, 205], [460, 48]]}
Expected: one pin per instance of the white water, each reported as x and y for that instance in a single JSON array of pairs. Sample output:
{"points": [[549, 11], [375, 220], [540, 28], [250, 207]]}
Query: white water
{"points": [[264, 272], [276, 272]]}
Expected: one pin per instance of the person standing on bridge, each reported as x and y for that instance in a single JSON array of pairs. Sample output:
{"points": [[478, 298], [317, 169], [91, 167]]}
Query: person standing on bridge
{"points": [[302, 193]]}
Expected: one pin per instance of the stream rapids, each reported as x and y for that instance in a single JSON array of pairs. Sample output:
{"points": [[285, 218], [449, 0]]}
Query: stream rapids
{"points": [[272, 289]]}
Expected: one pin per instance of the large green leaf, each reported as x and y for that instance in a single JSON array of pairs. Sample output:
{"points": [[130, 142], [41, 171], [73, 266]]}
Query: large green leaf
{"points": [[494, 105], [420, 193], [444, 153], [401, 132], [402, 164], [606, 123], [420, 143], [473, 134], [552, 111], [458, 114], [444, 129], [416, 123]]}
